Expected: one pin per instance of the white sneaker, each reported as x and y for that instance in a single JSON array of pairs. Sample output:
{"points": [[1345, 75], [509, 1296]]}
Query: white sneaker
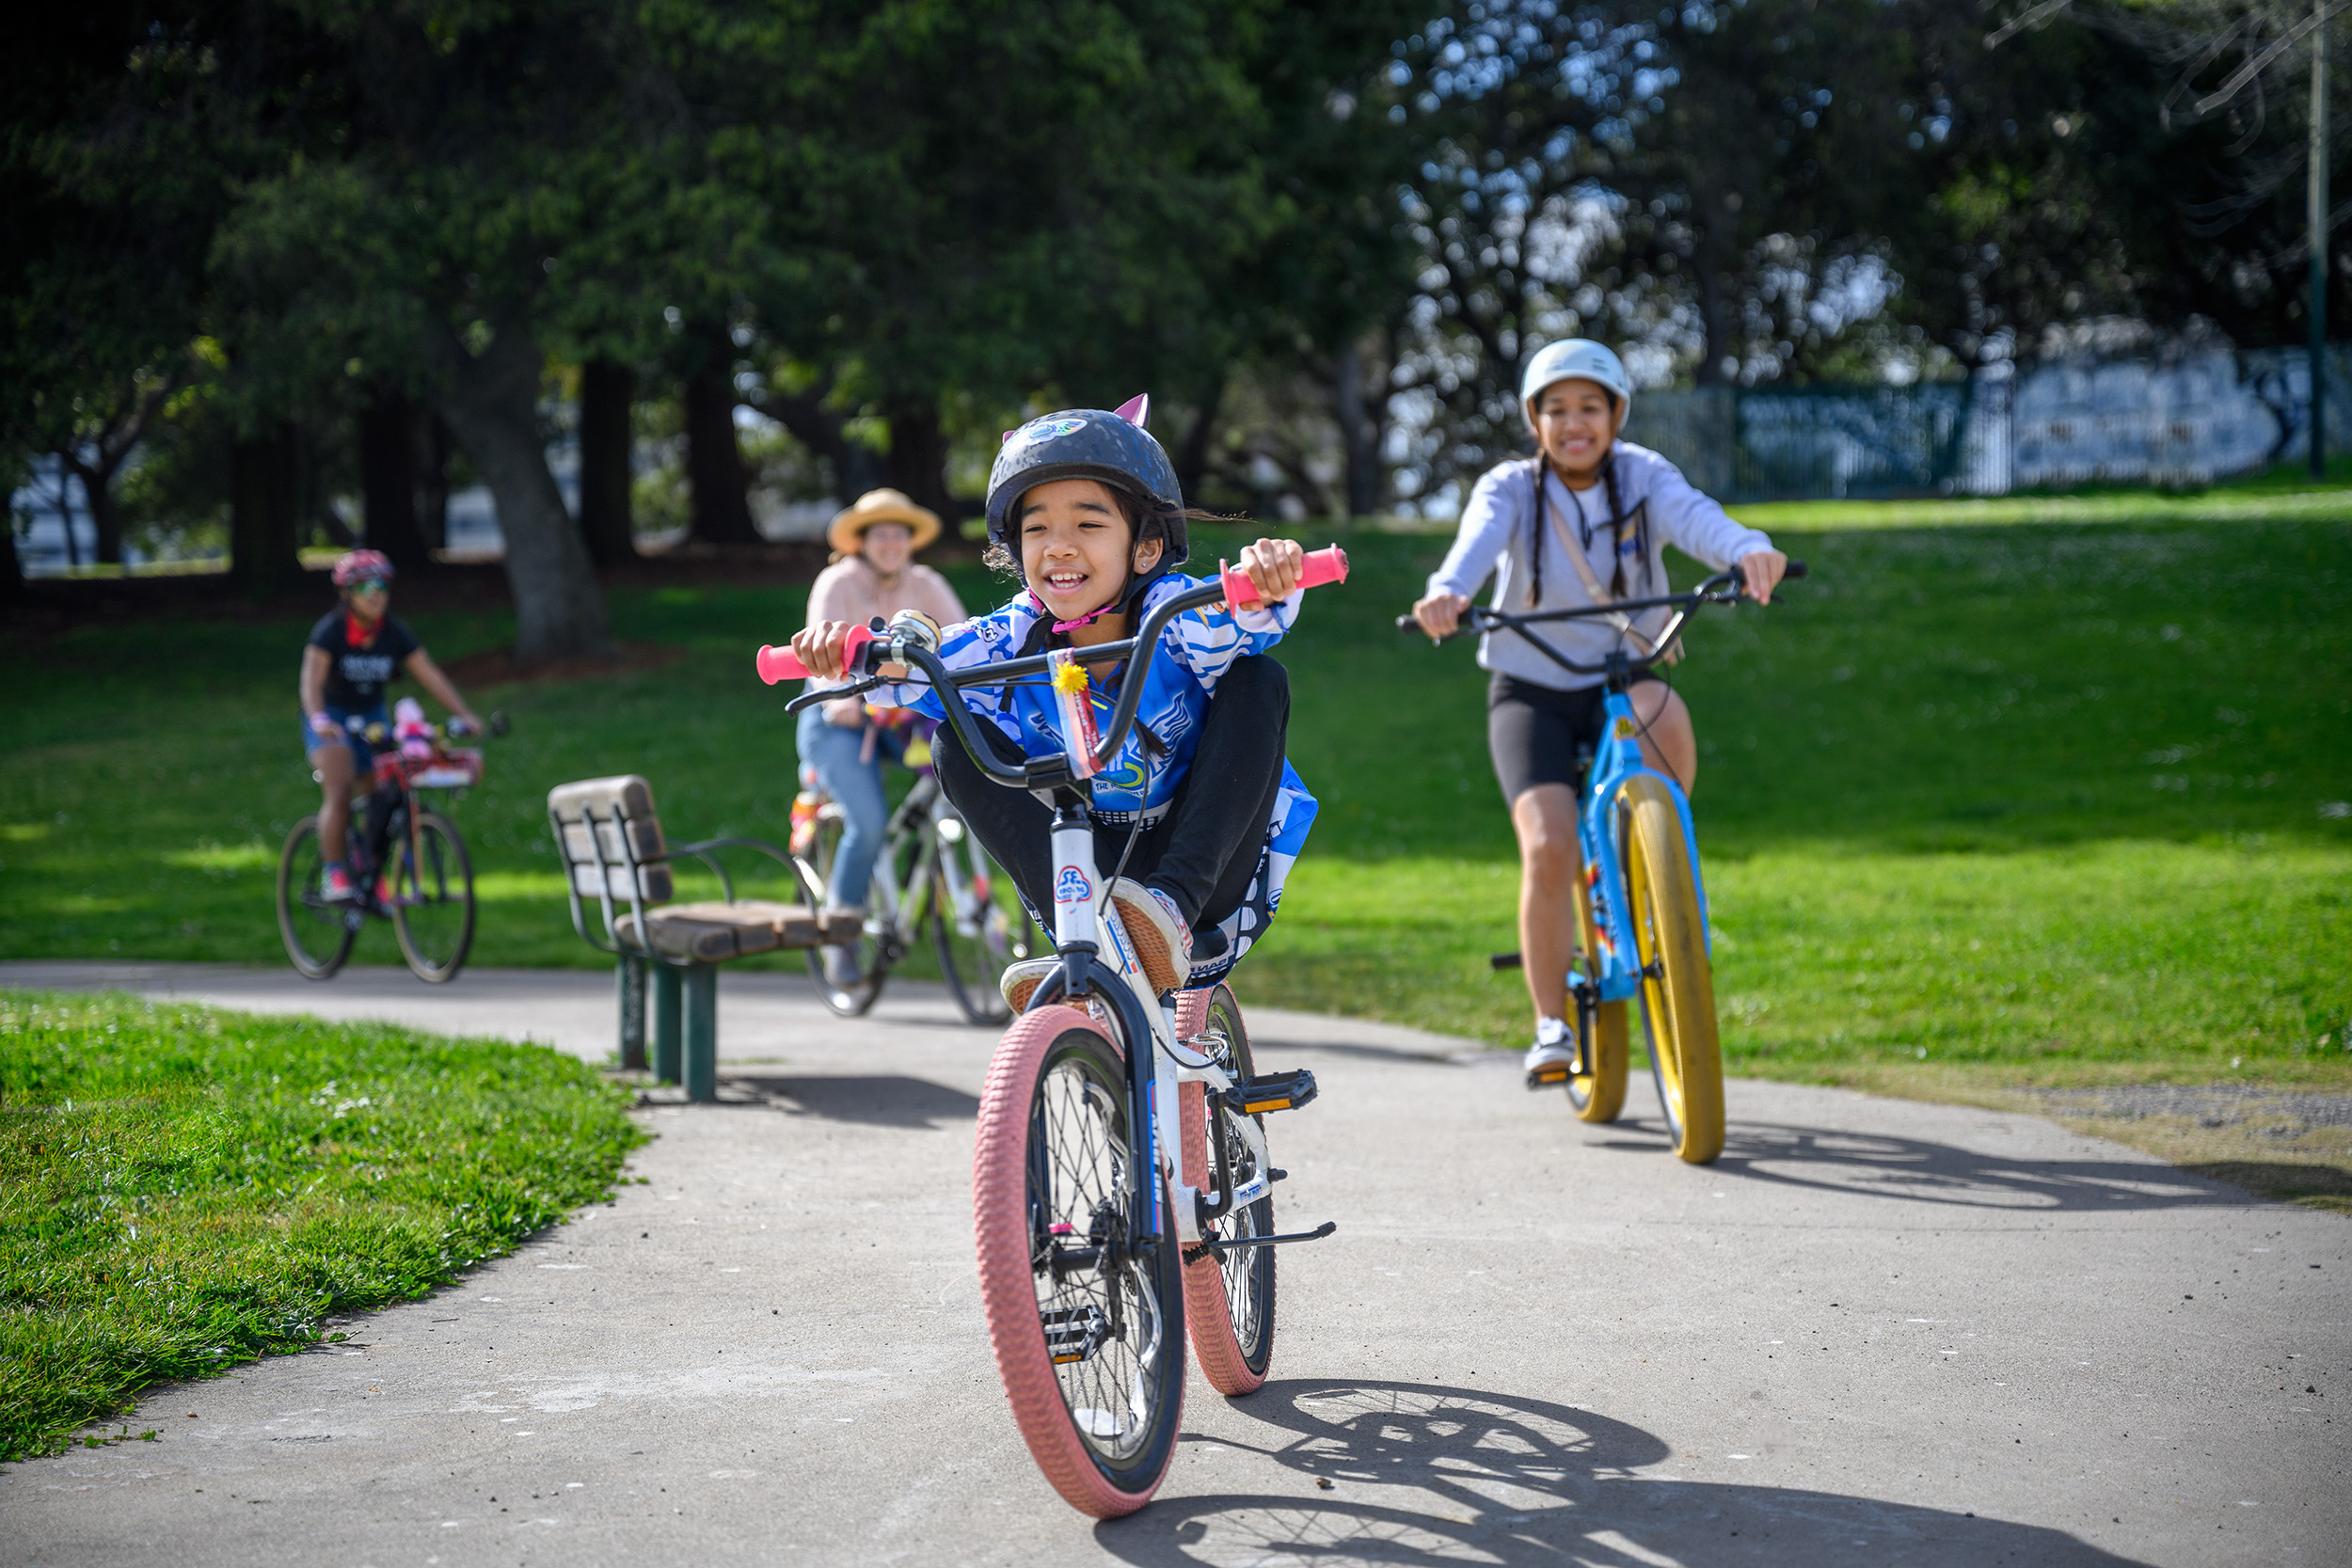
{"points": [[1549, 1062], [1163, 941], [1020, 981]]}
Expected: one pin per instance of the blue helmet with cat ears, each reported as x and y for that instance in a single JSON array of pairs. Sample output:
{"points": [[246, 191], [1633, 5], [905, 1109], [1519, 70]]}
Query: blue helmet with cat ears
{"points": [[1108, 445]]}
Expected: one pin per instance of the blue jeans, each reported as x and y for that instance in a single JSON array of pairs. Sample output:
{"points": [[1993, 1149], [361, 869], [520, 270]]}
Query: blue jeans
{"points": [[857, 788]]}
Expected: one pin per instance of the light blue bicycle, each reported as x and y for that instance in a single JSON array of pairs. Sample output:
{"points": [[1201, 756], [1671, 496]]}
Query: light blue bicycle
{"points": [[1641, 904]]}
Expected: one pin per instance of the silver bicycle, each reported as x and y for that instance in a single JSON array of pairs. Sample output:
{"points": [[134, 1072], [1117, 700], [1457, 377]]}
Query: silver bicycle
{"points": [[931, 874]]}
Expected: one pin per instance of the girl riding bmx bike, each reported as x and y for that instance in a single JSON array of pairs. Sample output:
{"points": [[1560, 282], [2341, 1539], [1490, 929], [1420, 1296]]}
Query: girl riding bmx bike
{"points": [[1122, 1180]]}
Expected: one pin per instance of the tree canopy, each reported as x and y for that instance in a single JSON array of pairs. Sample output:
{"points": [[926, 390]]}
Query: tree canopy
{"points": [[1327, 237]]}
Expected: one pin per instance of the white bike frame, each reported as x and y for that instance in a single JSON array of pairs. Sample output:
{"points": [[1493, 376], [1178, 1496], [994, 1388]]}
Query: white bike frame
{"points": [[1084, 922]]}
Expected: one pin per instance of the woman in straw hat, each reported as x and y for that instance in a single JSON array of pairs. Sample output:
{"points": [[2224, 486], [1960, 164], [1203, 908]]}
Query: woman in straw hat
{"points": [[873, 573]]}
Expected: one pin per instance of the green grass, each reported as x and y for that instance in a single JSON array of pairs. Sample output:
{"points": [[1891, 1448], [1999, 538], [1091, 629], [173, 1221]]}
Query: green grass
{"points": [[2046, 795], [183, 1189]]}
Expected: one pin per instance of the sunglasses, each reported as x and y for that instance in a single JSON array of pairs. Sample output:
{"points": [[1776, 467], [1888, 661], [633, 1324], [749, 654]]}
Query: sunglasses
{"points": [[370, 585]]}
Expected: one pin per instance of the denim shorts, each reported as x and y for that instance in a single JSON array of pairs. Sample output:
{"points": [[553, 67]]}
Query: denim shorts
{"points": [[354, 725]]}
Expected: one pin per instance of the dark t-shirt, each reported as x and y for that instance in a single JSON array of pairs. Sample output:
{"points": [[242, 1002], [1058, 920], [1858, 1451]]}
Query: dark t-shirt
{"points": [[356, 676]]}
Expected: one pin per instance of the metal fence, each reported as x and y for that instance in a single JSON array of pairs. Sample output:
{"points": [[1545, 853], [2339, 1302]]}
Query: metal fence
{"points": [[2187, 421]]}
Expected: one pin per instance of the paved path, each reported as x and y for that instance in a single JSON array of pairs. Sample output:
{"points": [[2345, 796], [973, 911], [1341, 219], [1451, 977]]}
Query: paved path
{"points": [[1874, 1333]]}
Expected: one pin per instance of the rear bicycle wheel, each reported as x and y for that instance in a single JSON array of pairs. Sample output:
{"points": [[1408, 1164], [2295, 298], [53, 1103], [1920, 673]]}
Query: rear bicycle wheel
{"points": [[1599, 1095], [1229, 1296], [1677, 993], [1086, 1320], [318, 935], [976, 935], [431, 897], [870, 949]]}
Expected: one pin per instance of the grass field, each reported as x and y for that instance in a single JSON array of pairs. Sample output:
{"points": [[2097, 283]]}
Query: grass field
{"points": [[181, 1189], [2065, 799]]}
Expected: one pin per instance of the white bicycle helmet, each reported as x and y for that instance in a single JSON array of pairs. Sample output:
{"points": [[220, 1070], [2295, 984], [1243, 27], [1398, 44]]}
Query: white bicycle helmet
{"points": [[1574, 359]]}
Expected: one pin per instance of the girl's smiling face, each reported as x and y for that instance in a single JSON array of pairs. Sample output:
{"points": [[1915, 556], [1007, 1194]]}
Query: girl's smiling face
{"points": [[1575, 422], [1075, 547]]}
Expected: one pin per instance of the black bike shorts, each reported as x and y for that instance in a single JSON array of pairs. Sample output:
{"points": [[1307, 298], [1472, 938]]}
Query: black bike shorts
{"points": [[1535, 732]]}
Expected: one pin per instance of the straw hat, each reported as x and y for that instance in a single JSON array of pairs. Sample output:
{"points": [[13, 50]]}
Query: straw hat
{"points": [[848, 531]]}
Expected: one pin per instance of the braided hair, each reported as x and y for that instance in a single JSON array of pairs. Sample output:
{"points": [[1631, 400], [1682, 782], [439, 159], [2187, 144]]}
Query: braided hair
{"points": [[1617, 524]]}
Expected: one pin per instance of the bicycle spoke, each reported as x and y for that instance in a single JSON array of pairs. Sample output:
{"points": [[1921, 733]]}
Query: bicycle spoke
{"points": [[1085, 1177]]}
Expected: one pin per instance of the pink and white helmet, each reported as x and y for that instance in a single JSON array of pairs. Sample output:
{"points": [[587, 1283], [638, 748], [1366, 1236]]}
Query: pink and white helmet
{"points": [[362, 565]]}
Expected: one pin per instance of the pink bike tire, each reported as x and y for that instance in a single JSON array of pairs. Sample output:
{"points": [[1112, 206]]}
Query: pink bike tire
{"points": [[1009, 1293], [1208, 1306]]}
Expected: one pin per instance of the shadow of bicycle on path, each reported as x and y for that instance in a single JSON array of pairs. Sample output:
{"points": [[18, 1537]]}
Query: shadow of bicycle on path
{"points": [[1917, 1170], [1421, 1474]]}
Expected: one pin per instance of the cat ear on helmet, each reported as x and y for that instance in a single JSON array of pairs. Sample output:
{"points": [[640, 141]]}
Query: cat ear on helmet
{"points": [[1136, 410]]}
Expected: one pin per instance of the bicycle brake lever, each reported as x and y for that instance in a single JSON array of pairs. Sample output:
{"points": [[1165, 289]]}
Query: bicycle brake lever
{"points": [[827, 694]]}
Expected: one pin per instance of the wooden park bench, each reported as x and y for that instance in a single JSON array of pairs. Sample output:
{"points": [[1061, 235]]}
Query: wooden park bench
{"points": [[615, 855]]}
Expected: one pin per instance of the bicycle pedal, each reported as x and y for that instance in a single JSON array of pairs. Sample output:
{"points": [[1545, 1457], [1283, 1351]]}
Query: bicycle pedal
{"points": [[1549, 1077], [1271, 1091], [1074, 1333]]}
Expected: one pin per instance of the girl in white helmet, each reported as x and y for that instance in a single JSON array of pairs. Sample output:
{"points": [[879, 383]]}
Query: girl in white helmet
{"points": [[1585, 521]]}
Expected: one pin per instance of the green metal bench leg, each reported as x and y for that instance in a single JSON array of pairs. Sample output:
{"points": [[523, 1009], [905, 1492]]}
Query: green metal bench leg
{"points": [[628, 974], [666, 1031], [701, 1033]]}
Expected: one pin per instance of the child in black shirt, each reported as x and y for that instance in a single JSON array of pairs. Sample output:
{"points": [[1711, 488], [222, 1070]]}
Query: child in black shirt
{"points": [[353, 654]]}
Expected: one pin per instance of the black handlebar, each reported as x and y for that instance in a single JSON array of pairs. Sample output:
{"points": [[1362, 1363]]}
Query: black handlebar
{"points": [[1034, 773], [1725, 587], [459, 729]]}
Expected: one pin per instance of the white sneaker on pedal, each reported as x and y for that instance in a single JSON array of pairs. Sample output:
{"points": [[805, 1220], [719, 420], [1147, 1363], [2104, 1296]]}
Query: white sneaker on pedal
{"points": [[1543, 1058], [1020, 981], [1553, 1058]]}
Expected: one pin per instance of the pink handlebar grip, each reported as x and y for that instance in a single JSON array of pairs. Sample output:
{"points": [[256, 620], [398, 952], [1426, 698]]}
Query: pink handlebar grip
{"points": [[1329, 564], [782, 664]]}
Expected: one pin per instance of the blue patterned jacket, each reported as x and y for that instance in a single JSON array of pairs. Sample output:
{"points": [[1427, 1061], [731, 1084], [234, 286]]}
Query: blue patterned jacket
{"points": [[1197, 647]]}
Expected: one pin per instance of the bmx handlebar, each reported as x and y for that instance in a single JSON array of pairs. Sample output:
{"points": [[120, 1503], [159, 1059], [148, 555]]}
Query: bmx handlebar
{"points": [[910, 640], [1329, 564]]}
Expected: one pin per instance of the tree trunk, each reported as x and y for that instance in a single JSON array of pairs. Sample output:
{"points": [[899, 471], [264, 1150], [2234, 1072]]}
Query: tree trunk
{"points": [[492, 405], [11, 568], [265, 505], [1712, 306], [387, 479], [433, 440], [853, 465], [1363, 431], [606, 391], [97, 494], [1191, 456], [714, 467], [919, 456]]}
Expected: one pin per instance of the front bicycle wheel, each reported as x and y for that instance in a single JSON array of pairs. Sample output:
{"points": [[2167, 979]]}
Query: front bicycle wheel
{"points": [[869, 953], [318, 935], [431, 884], [976, 935], [1677, 992], [1087, 1320], [1599, 1095], [1229, 1296]]}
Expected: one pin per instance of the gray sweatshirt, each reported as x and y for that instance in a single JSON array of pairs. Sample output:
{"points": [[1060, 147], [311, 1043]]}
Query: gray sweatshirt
{"points": [[1500, 522]]}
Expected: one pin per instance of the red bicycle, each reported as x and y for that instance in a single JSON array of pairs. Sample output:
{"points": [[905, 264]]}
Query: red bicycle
{"points": [[414, 871]]}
